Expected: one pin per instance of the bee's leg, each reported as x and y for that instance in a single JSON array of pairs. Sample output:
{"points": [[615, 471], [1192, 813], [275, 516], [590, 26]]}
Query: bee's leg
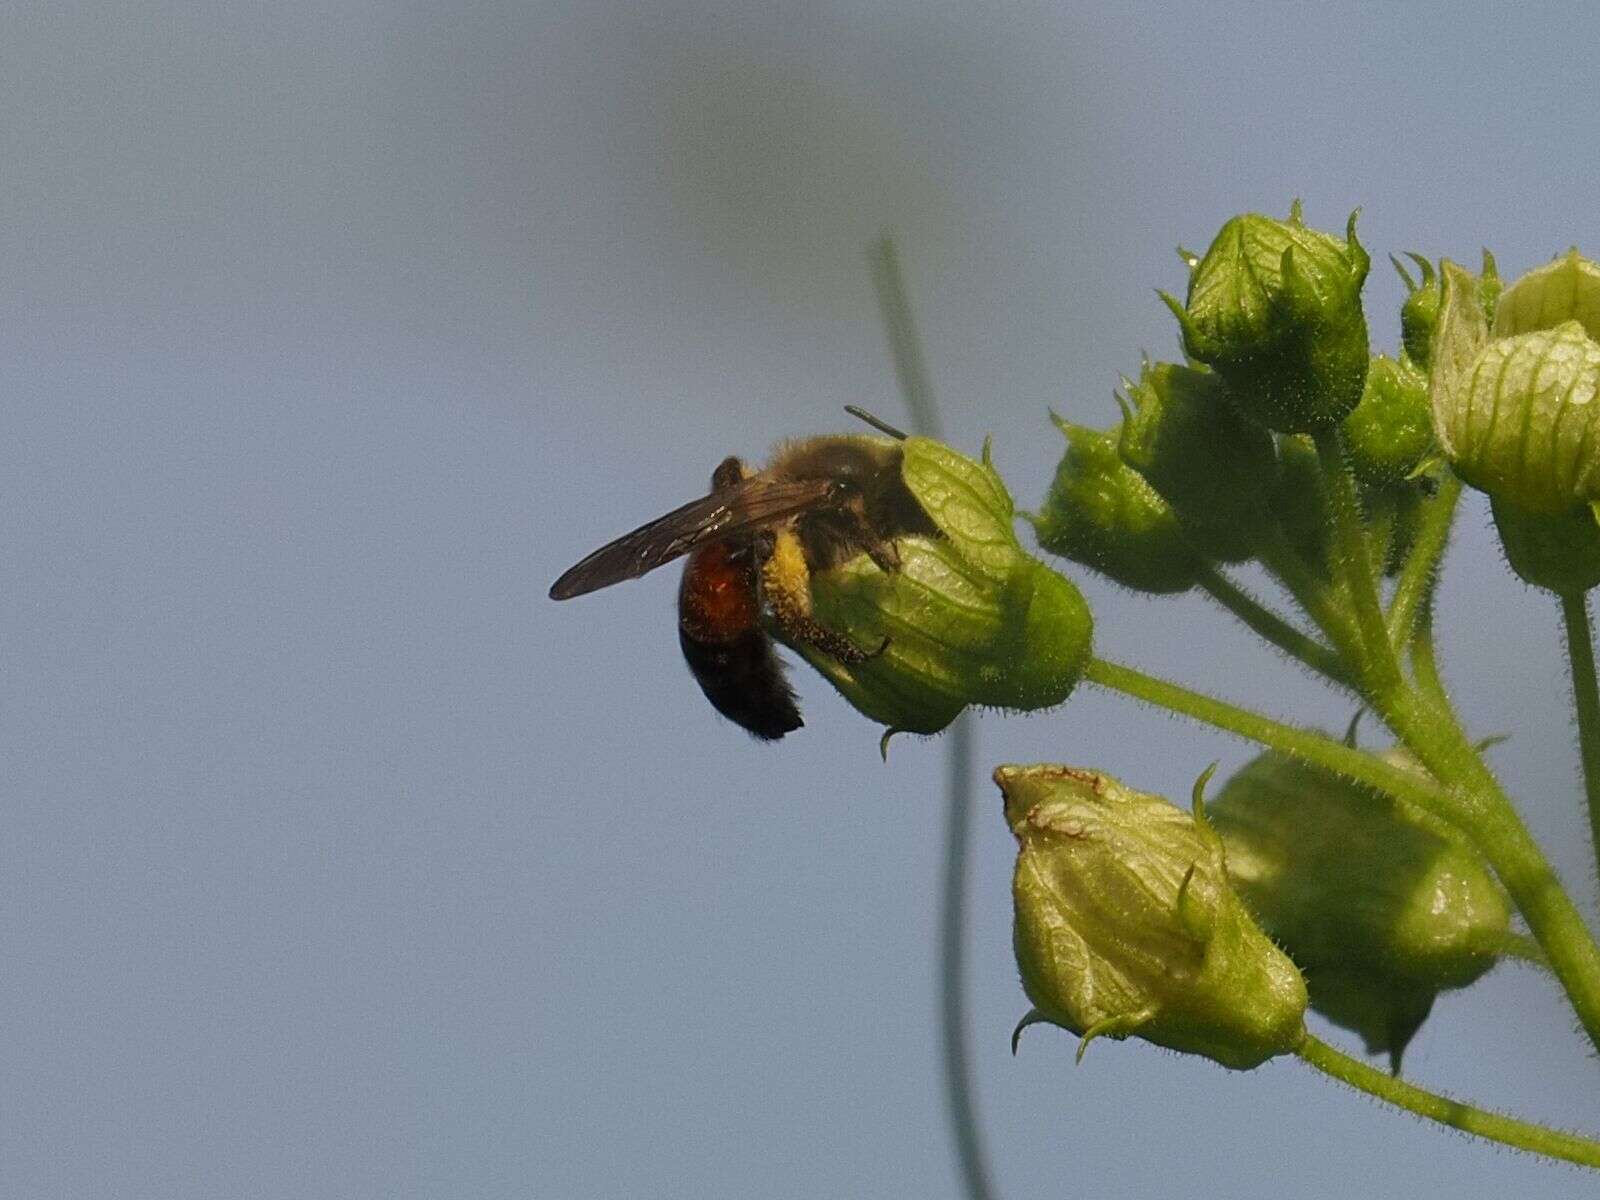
{"points": [[786, 586], [885, 554]]}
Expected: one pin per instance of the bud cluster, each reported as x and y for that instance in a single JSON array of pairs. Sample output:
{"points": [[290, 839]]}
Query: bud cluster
{"points": [[1215, 462]]}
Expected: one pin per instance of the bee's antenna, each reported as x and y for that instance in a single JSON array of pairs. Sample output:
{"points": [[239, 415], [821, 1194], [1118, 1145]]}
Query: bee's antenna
{"points": [[862, 414]]}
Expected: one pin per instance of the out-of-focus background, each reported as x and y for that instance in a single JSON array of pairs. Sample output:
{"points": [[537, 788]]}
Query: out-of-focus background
{"points": [[338, 861]]}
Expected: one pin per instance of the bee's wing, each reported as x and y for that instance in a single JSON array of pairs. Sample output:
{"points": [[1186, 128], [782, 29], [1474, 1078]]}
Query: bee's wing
{"points": [[757, 501]]}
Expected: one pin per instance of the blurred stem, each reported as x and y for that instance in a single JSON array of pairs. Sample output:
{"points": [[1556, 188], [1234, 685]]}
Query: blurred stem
{"points": [[1269, 625], [1412, 589], [1553, 1143], [961, 1096], [1580, 653]]}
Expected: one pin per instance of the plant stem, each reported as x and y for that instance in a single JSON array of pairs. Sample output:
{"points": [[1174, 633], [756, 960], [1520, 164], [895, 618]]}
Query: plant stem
{"points": [[1417, 575], [1586, 698], [1354, 562], [1472, 801], [1481, 809], [905, 347], [1269, 625], [1425, 663], [1314, 594], [1524, 949], [1305, 744], [1537, 1139]]}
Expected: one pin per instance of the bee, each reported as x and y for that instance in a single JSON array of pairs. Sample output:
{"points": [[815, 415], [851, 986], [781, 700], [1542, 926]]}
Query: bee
{"points": [[753, 544]]}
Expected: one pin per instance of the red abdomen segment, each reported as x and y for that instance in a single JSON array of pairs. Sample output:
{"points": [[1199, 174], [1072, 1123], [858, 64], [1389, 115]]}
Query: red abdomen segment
{"points": [[719, 629]]}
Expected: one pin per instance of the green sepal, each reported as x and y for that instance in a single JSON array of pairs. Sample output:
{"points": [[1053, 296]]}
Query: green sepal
{"points": [[1102, 513], [969, 616], [1275, 308], [1419, 313], [1381, 905], [1215, 468], [1529, 419], [1560, 552], [1564, 289], [1126, 923], [1391, 431]]}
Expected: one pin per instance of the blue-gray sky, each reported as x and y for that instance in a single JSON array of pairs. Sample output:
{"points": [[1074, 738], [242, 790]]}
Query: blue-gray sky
{"points": [[340, 862]]}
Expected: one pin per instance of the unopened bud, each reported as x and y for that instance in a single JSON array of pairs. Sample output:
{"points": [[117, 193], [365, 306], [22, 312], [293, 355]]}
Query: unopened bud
{"points": [[1126, 923], [1275, 308], [1212, 466], [1381, 905], [1102, 513], [1391, 430], [967, 617]]}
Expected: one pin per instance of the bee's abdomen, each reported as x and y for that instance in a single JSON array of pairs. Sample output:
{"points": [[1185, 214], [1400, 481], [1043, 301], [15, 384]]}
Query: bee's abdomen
{"points": [[733, 660]]}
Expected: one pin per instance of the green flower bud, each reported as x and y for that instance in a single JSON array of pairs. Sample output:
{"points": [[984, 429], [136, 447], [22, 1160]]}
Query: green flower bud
{"points": [[969, 617], [1523, 427], [1275, 309], [1560, 552], [1102, 513], [1566, 289], [1391, 431], [1419, 312], [1381, 905], [1126, 923], [1211, 465]]}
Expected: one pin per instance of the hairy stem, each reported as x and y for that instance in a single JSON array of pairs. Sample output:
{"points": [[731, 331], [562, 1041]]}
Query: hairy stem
{"points": [[1586, 699], [1354, 562], [1537, 1139], [1312, 747], [1270, 626], [1415, 584]]}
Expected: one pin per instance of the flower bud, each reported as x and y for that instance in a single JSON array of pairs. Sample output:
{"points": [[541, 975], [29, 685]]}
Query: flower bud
{"points": [[1560, 552], [1210, 464], [1391, 430], [1381, 905], [1524, 425], [1566, 289], [1419, 312], [1102, 513], [1126, 923], [968, 617], [1275, 309]]}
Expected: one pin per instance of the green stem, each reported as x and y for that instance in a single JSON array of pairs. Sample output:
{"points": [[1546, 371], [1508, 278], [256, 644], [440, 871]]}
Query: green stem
{"points": [[905, 347], [1553, 1143], [1305, 744], [1354, 562], [1580, 652], [1524, 949], [1481, 809], [1425, 664], [1269, 625], [1319, 599], [1415, 584], [1473, 802]]}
